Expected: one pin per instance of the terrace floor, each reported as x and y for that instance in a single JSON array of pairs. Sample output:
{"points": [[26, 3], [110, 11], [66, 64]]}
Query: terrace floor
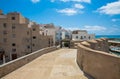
{"points": [[59, 64]]}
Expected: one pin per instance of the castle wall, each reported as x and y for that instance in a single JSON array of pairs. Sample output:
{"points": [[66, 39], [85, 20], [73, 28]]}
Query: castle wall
{"points": [[93, 59]]}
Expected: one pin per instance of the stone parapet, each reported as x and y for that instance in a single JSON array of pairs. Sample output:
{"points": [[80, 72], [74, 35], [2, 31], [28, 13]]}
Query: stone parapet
{"points": [[96, 62], [15, 64]]}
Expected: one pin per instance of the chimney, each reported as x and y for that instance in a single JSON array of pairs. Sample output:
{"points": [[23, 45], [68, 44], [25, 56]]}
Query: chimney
{"points": [[1, 13]]}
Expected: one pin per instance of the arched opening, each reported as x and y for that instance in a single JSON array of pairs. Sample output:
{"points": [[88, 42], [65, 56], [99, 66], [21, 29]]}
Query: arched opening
{"points": [[65, 43]]}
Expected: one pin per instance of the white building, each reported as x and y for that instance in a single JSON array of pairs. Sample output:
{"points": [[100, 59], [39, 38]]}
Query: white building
{"points": [[80, 35], [57, 33], [62, 34], [50, 30]]}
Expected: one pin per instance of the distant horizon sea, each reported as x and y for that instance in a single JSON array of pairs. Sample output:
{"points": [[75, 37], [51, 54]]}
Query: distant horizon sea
{"points": [[113, 37], [108, 36]]}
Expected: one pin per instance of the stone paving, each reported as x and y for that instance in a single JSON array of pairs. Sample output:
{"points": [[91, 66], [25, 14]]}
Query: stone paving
{"points": [[59, 64]]}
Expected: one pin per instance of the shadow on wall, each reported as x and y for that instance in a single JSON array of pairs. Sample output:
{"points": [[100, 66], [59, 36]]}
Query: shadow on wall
{"points": [[93, 58]]}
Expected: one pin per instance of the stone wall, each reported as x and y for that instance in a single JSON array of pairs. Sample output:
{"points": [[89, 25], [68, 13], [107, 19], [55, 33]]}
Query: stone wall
{"points": [[93, 59], [15, 64]]}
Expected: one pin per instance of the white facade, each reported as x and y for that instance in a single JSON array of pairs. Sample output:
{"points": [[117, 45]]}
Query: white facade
{"points": [[63, 34], [50, 30], [80, 35], [57, 33]]}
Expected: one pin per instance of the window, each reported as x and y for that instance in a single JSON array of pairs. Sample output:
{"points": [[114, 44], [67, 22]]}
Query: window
{"points": [[13, 26], [89, 37], [4, 25], [43, 33], [81, 37], [49, 41], [34, 29], [84, 36], [27, 32], [60, 34], [28, 47], [76, 37], [34, 37], [33, 44], [60, 38], [13, 44], [13, 18], [13, 50]]}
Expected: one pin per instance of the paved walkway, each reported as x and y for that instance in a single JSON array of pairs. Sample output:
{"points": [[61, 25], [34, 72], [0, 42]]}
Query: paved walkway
{"points": [[60, 64]]}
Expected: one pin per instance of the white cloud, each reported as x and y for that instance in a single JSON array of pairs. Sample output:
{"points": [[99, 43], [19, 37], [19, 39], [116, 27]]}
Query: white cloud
{"points": [[76, 9], [111, 8], [94, 28], [35, 1], [52, 0], [68, 11], [79, 6], [98, 29], [86, 1], [101, 29], [73, 28], [114, 20]]}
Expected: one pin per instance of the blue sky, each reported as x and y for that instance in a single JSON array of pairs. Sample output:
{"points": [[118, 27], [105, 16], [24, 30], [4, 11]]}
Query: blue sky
{"points": [[101, 17]]}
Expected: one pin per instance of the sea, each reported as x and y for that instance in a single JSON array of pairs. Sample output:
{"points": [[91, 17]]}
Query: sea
{"points": [[108, 36], [111, 37]]}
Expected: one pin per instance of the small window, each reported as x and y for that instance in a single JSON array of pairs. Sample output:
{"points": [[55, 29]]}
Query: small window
{"points": [[34, 29], [34, 37], [28, 47], [84, 36], [14, 50], [4, 25], [60, 38], [33, 44], [13, 44], [43, 33], [89, 37], [49, 41], [81, 37], [13, 26], [60, 34], [27, 32], [13, 18], [77, 37]]}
